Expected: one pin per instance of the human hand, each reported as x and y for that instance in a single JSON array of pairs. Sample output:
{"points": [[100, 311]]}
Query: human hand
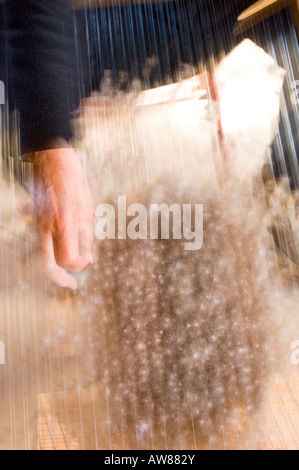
{"points": [[64, 213]]}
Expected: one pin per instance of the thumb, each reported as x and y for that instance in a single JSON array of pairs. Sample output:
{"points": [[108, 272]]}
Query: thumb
{"points": [[57, 274]]}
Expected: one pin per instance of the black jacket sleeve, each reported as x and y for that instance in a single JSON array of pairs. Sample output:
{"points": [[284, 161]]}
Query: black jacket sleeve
{"points": [[41, 54]]}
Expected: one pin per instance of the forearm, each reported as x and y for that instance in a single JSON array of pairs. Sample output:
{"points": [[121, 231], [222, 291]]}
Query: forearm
{"points": [[40, 46]]}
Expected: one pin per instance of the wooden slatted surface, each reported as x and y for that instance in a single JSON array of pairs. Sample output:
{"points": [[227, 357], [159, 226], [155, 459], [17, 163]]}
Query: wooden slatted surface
{"points": [[76, 420]]}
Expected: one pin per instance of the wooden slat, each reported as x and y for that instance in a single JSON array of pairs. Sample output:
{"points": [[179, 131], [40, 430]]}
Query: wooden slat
{"points": [[260, 11]]}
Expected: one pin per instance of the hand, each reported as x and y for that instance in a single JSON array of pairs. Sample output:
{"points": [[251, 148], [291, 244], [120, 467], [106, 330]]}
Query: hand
{"points": [[64, 213]]}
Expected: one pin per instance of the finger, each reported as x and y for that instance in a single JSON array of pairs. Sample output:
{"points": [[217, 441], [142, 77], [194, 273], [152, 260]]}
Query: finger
{"points": [[86, 239], [57, 274], [66, 249]]}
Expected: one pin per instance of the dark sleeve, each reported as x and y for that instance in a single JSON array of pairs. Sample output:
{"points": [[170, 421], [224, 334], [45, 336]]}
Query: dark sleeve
{"points": [[41, 50]]}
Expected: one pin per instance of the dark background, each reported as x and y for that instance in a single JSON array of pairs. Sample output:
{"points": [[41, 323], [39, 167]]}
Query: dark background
{"points": [[176, 34]]}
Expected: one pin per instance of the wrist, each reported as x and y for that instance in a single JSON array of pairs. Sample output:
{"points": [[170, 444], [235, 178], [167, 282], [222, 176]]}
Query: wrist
{"points": [[54, 147]]}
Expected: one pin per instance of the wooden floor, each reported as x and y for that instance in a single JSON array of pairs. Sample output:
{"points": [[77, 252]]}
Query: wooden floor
{"points": [[72, 420]]}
